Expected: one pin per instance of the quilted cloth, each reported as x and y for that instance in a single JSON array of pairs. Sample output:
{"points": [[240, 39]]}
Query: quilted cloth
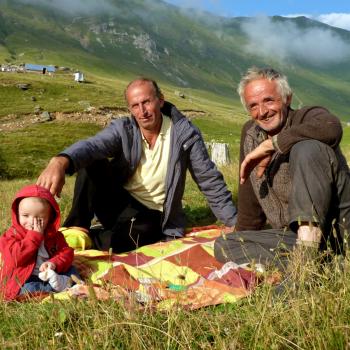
{"points": [[182, 272]]}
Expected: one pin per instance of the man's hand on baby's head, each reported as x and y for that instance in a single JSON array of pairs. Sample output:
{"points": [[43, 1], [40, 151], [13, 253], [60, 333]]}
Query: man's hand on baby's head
{"points": [[47, 265]]}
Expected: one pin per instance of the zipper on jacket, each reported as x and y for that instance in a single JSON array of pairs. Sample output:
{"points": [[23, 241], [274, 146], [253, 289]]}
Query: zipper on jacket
{"points": [[183, 145]]}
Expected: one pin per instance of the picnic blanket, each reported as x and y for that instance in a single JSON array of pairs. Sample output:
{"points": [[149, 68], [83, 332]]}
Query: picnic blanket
{"points": [[180, 272]]}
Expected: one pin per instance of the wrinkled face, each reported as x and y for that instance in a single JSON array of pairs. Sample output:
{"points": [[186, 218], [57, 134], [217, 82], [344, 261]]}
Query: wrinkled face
{"points": [[265, 105], [30, 208], [145, 105]]}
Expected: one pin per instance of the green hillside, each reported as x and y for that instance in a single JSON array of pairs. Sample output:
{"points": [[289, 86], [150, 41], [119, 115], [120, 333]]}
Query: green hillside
{"points": [[128, 38], [198, 60]]}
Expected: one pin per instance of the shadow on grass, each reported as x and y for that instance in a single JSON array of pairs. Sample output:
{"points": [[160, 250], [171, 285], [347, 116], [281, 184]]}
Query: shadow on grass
{"points": [[4, 172], [199, 216]]}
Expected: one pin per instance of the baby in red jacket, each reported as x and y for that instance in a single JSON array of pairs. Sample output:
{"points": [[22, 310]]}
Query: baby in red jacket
{"points": [[34, 254]]}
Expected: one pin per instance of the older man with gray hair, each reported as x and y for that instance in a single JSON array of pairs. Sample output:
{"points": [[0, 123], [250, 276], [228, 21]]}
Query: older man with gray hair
{"points": [[293, 176]]}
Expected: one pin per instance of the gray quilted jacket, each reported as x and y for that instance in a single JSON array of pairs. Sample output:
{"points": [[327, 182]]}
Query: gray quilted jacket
{"points": [[121, 140]]}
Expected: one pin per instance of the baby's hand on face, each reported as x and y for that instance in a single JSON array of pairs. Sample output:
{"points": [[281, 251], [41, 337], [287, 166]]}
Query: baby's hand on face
{"points": [[38, 225], [47, 265]]}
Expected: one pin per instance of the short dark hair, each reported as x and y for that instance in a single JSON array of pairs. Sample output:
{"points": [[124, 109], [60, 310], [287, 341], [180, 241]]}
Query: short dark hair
{"points": [[156, 88]]}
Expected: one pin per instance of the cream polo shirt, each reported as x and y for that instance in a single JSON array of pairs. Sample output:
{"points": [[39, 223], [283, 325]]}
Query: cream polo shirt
{"points": [[147, 185]]}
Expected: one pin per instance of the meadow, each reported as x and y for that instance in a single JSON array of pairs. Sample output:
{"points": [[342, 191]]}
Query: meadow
{"points": [[311, 311]]}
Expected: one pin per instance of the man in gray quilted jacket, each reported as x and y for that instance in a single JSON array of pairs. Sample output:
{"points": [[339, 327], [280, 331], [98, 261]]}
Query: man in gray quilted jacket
{"points": [[132, 174]]}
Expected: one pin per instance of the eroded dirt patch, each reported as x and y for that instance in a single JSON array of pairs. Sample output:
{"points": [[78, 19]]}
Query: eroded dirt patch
{"points": [[102, 117], [97, 116]]}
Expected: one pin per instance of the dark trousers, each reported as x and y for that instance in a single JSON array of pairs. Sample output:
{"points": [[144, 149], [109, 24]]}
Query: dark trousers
{"points": [[320, 194], [263, 247], [127, 224]]}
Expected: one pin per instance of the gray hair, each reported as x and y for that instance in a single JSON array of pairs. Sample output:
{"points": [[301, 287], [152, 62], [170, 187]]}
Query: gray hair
{"points": [[255, 73]]}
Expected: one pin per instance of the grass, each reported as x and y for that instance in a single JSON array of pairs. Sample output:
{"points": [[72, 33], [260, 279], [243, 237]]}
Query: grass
{"points": [[311, 313], [25, 152], [8, 189], [58, 92], [345, 144]]}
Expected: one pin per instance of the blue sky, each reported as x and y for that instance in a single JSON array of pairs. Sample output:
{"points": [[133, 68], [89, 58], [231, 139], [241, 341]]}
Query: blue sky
{"points": [[333, 12]]}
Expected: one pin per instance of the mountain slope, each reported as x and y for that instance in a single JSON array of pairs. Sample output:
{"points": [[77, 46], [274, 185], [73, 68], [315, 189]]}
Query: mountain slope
{"points": [[127, 38]]}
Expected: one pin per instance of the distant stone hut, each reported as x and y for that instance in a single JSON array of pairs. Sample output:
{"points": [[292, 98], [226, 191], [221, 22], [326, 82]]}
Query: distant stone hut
{"points": [[11, 68]]}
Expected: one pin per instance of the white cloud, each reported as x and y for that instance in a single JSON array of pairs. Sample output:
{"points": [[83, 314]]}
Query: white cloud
{"points": [[286, 41], [339, 20], [293, 15]]}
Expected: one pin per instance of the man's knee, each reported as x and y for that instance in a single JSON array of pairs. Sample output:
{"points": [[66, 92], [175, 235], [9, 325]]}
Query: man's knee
{"points": [[259, 246], [98, 169], [312, 159], [309, 150], [228, 248]]}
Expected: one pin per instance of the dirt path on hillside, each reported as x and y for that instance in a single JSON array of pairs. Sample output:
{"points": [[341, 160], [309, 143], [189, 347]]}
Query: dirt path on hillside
{"points": [[100, 117]]}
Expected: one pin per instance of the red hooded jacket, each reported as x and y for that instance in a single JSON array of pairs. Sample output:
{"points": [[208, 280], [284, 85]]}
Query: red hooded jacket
{"points": [[19, 246]]}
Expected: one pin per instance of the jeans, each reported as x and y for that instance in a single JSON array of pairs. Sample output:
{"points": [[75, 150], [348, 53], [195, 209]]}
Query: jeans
{"points": [[35, 284]]}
